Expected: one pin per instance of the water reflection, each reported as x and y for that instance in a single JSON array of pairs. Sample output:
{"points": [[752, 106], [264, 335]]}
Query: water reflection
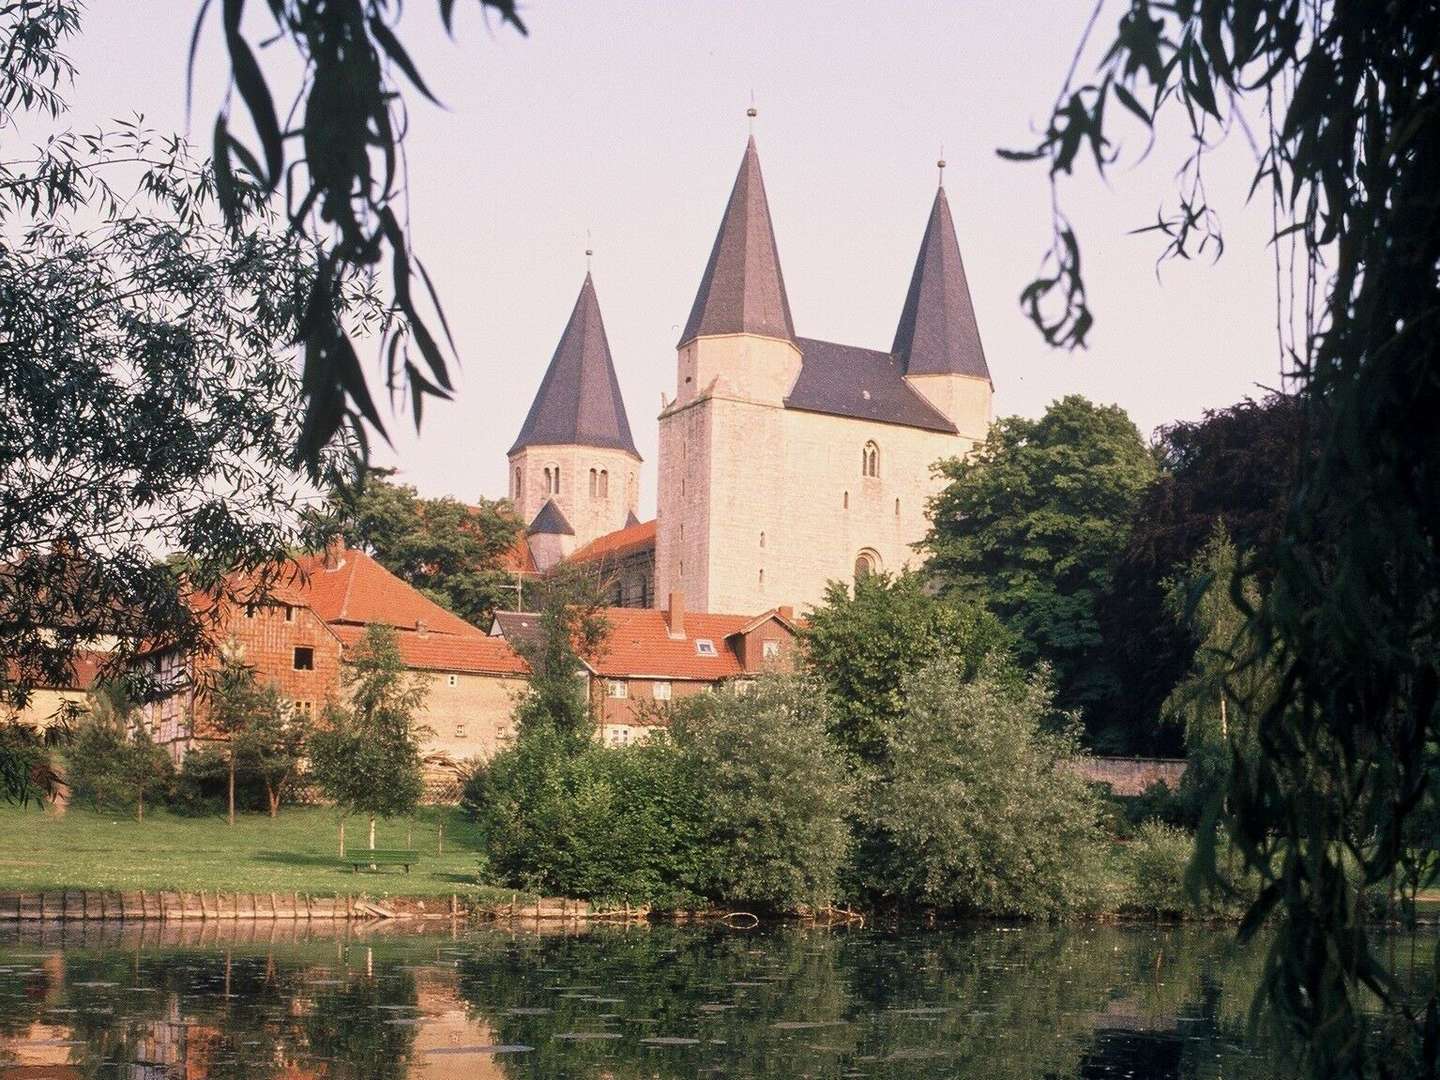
{"points": [[289, 1004]]}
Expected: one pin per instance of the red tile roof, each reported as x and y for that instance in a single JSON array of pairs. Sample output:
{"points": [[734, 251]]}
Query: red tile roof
{"points": [[448, 652], [618, 544], [359, 590], [519, 558], [639, 644]]}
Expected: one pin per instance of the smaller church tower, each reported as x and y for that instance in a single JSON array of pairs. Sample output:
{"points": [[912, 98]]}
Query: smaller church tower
{"points": [[574, 469], [938, 340]]}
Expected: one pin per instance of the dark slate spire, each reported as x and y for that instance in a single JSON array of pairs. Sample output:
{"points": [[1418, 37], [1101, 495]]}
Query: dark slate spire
{"points": [[579, 403], [743, 291], [550, 521], [938, 334]]}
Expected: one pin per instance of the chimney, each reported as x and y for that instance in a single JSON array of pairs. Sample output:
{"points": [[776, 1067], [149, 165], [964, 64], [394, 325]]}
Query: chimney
{"points": [[675, 616], [786, 612], [421, 627], [334, 552]]}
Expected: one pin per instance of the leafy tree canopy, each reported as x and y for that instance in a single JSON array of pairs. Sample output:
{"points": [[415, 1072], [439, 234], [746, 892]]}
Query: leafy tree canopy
{"points": [[865, 640], [452, 552], [571, 627], [1032, 525]]}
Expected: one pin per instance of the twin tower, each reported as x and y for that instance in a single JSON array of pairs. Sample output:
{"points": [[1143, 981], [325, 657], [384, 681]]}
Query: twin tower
{"points": [[786, 462]]}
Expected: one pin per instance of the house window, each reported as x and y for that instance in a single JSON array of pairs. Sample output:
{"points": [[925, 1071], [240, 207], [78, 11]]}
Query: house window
{"points": [[289, 613], [866, 563], [459, 731], [770, 650], [762, 578], [304, 658], [303, 708], [452, 680], [662, 691], [870, 460], [704, 647], [617, 688]]}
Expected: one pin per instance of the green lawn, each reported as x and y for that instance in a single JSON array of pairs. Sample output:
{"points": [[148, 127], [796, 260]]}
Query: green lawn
{"points": [[295, 852]]}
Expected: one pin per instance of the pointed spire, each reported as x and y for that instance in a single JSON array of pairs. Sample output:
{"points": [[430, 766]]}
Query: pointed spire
{"points": [[938, 334], [742, 291], [579, 402]]}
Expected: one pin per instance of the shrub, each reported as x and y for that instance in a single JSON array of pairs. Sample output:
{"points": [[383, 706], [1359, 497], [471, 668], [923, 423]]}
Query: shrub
{"points": [[978, 809], [1154, 864], [774, 792], [590, 821], [202, 782]]}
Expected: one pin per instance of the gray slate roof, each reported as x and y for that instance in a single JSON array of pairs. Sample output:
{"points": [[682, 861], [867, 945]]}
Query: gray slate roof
{"points": [[846, 380], [579, 402], [742, 290], [550, 521], [519, 628], [938, 334]]}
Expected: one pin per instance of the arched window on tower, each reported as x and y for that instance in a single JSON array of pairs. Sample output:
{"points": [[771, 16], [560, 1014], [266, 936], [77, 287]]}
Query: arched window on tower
{"points": [[762, 539], [845, 501], [519, 487], [897, 507], [866, 563], [870, 460], [594, 483], [549, 480], [604, 483]]}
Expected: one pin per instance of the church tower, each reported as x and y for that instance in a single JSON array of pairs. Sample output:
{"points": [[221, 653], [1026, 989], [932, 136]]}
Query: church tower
{"points": [[938, 339], [574, 469], [722, 443]]}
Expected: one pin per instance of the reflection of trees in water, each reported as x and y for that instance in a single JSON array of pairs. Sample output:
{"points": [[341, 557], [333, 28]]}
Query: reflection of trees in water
{"points": [[1026, 1003], [223, 1016], [982, 1001]]}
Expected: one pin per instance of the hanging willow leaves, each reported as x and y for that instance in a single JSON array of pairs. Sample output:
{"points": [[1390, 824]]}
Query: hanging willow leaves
{"points": [[1336, 805], [339, 168]]}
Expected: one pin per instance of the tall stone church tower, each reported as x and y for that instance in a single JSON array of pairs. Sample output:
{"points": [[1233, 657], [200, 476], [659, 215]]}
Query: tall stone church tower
{"points": [[574, 469], [788, 462]]}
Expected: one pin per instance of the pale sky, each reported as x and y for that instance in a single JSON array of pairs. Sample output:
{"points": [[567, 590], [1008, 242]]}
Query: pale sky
{"points": [[627, 120]]}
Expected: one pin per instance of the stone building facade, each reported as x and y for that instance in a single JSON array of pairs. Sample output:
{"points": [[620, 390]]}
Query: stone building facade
{"points": [[786, 462]]}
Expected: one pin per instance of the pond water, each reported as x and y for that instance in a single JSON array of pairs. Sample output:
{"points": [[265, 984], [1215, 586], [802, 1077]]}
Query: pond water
{"points": [[274, 1001]]}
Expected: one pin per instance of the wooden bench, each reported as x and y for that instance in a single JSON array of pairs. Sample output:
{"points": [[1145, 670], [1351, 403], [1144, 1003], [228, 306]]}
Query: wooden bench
{"points": [[378, 857]]}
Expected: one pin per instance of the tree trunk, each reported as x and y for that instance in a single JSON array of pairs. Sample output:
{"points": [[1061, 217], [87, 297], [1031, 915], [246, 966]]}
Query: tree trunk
{"points": [[342, 837], [274, 795], [372, 832], [232, 780], [140, 807]]}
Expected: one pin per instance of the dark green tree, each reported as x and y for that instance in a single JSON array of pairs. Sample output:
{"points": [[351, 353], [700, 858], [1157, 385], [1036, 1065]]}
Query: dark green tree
{"points": [[1032, 525], [365, 755], [866, 639], [452, 552], [1339, 102], [1234, 466], [273, 747]]}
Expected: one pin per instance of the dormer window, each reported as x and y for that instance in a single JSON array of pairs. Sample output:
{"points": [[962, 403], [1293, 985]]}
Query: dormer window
{"points": [[870, 460], [704, 647]]}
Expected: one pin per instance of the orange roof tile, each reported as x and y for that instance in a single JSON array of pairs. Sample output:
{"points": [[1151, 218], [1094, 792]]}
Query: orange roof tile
{"points": [[618, 544], [448, 652], [519, 558], [640, 644], [359, 590]]}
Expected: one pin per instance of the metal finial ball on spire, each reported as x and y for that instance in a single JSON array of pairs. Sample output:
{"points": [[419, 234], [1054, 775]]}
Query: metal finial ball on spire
{"points": [[752, 112]]}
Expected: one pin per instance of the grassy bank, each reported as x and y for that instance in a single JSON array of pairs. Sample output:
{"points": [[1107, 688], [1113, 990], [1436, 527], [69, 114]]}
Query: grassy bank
{"points": [[296, 852]]}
